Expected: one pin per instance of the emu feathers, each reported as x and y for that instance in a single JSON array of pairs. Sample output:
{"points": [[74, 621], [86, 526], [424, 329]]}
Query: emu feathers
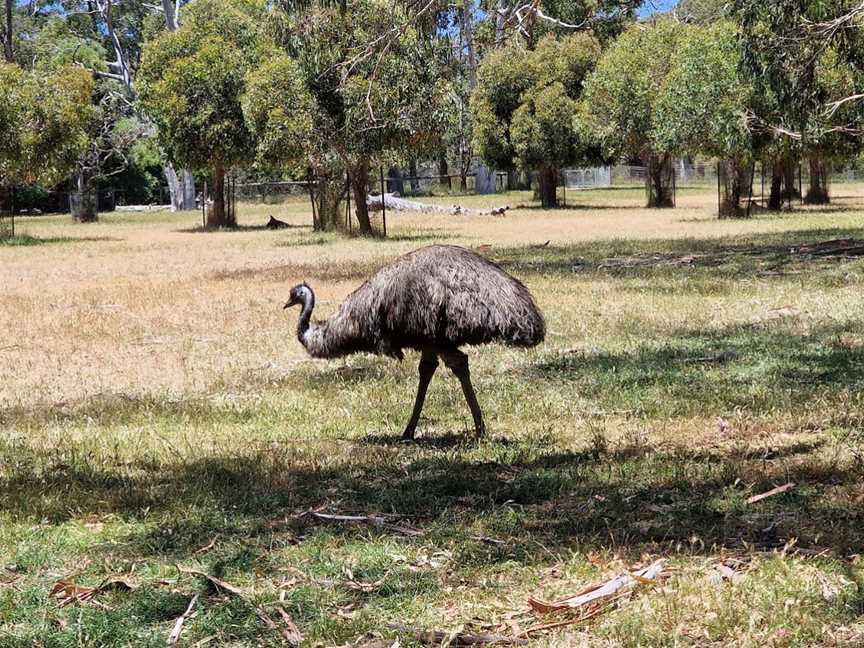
{"points": [[437, 297]]}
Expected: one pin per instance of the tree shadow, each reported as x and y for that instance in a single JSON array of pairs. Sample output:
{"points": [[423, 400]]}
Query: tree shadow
{"points": [[734, 257], [199, 229], [759, 366], [25, 240], [636, 499]]}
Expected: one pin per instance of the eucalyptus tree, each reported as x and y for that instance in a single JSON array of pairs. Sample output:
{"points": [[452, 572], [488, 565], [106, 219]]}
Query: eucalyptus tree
{"points": [[622, 96], [805, 59], [370, 90], [525, 108], [45, 118], [703, 108], [191, 82]]}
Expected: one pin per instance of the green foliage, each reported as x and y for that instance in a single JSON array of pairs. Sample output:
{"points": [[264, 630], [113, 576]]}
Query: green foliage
{"points": [[44, 118], [799, 67], [703, 108], [373, 81], [192, 82], [139, 182], [278, 109], [56, 45], [524, 105], [622, 94], [542, 128]]}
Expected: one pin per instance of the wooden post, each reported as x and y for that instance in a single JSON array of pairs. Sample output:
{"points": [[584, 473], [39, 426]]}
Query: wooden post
{"points": [[750, 197], [383, 205], [719, 199], [800, 185], [309, 177], [348, 201], [563, 185]]}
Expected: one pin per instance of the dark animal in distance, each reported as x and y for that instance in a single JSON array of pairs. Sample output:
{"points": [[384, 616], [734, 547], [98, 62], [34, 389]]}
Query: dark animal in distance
{"points": [[275, 223], [434, 300]]}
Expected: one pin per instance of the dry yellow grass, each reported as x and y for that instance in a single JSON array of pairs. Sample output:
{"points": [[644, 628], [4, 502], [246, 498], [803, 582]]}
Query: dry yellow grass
{"points": [[139, 304]]}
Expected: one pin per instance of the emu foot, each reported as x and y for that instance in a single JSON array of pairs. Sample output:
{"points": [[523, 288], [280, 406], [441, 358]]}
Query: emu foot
{"points": [[408, 434]]}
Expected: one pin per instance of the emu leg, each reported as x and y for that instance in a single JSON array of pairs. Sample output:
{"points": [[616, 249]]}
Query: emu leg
{"points": [[457, 362], [428, 365]]}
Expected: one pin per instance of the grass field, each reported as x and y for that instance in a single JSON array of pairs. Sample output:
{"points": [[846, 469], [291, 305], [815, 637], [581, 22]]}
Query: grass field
{"points": [[158, 415]]}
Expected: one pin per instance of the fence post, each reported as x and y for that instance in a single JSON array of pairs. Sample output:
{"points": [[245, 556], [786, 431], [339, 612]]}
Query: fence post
{"points": [[564, 185], [383, 205], [348, 202]]}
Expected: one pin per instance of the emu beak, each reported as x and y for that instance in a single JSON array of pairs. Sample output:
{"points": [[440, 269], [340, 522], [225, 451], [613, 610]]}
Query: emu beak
{"points": [[287, 304]]}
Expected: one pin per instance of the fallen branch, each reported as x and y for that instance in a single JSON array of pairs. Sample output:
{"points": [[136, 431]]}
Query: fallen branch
{"points": [[174, 637], [289, 633], [66, 592], [377, 521], [599, 591], [771, 493], [393, 202], [220, 584], [440, 637]]}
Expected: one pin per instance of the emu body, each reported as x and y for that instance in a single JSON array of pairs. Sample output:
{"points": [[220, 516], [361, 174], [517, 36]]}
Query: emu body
{"points": [[434, 300]]}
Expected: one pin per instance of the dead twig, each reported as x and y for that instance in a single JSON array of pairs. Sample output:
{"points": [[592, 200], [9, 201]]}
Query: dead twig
{"points": [[771, 493], [377, 521], [174, 637], [217, 582], [599, 591]]}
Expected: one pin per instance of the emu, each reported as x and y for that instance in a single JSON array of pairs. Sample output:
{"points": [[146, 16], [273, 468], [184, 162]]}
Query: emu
{"points": [[433, 300]]}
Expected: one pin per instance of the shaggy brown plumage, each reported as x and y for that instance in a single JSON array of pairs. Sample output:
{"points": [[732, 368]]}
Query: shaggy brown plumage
{"points": [[434, 300]]}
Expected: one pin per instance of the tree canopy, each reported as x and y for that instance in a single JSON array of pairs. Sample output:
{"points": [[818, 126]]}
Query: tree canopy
{"points": [[525, 107], [45, 119], [332, 96], [192, 82]]}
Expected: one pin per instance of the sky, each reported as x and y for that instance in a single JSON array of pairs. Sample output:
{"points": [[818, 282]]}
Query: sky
{"points": [[655, 6]]}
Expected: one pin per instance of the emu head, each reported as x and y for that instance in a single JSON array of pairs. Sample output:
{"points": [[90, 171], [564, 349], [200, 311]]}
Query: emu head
{"points": [[300, 294]]}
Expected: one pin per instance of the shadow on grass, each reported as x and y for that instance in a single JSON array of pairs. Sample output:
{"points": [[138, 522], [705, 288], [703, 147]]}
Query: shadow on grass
{"points": [[633, 499], [25, 240], [752, 255], [199, 229], [759, 367]]}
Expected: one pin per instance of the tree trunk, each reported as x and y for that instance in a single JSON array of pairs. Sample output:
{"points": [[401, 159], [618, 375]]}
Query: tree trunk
{"points": [[790, 189], [216, 216], [547, 179], [735, 181], [328, 200], [818, 194], [359, 189], [443, 169], [7, 39], [775, 198], [500, 21], [82, 202], [659, 180], [484, 179], [171, 18], [412, 171], [188, 187]]}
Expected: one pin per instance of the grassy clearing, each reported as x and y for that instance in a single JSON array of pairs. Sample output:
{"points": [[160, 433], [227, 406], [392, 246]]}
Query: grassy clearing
{"points": [[156, 411]]}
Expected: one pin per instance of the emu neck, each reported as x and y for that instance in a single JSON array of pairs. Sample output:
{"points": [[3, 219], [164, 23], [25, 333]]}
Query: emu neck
{"points": [[305, 316]]}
